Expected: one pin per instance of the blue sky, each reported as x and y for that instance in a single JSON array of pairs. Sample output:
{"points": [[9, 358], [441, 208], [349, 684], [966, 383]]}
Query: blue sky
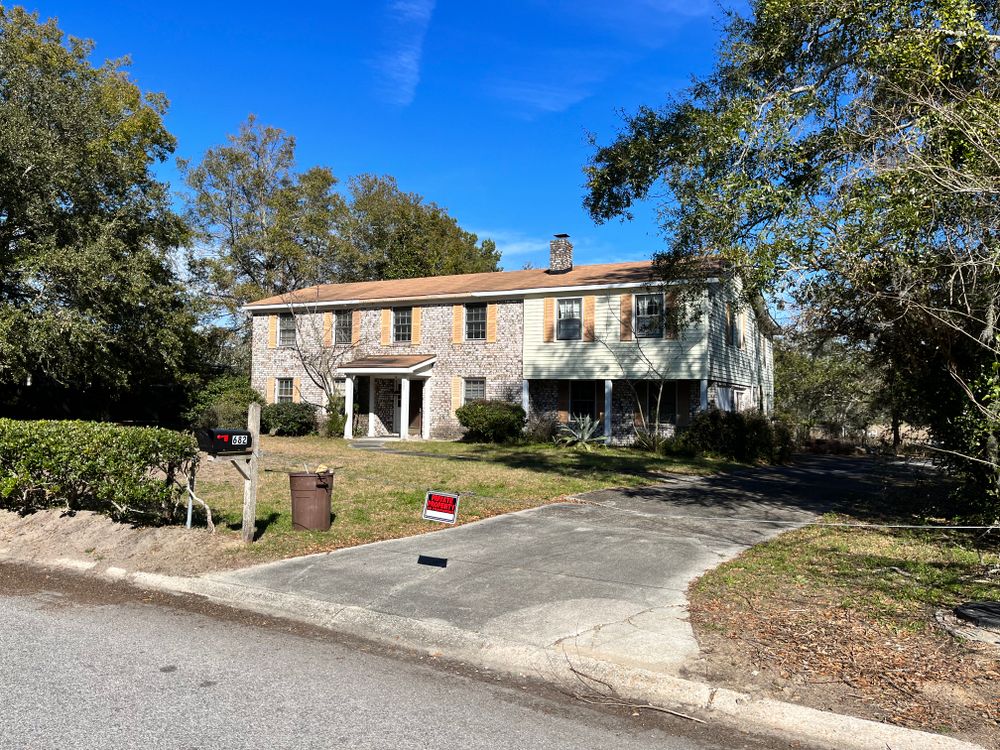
{"points": [[483, 108]]}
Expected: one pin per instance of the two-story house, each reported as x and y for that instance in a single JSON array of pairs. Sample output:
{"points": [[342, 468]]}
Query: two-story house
{"points": [[563, 341]]}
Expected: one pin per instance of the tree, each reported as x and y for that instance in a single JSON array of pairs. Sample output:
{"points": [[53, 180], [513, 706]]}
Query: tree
{"points": [[92, 319], [262, 229], [844, 153], [390, 234]]}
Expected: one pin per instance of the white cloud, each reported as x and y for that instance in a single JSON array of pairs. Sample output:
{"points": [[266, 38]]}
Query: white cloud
{"points": [[399, 64]]}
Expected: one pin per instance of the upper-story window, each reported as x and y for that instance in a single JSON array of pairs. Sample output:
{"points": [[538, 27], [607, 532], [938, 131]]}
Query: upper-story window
{"points": [[734, 327], [342, 327], [475, 322], [286, 330], [569, 321], [649, 316], [402, 325]]}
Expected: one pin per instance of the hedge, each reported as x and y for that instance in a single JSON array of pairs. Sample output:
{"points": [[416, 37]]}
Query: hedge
{"points": [[491, 421], [288, 419], [129, 473]]}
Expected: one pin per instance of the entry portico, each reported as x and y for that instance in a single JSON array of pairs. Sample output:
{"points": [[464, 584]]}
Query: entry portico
{"points": [[398, 398]]}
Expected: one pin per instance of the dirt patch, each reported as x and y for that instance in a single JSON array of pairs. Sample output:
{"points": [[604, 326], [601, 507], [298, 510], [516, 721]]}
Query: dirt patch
{"points": [[52, 535], [820, 655]]}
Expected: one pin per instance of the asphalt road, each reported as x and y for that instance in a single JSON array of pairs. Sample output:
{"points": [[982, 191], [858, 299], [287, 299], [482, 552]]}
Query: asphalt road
{"points": [[86, 664]]}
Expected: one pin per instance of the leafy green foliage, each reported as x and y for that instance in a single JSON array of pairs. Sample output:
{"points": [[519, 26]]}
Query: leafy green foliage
{"points": [[223, 402], [287, 418], [129, 473], [748, 437], [90, 309], [843, 154], [491, 421], [581, 431]]}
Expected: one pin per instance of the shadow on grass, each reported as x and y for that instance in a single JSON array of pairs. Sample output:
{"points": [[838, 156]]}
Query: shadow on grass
{"points": [[261, 525]]}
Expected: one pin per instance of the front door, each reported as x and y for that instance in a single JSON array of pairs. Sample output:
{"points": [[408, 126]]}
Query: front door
{"points": [[416, 407]]}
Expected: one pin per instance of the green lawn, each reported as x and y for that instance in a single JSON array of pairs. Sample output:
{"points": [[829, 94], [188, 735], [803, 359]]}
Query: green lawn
{"points": [[380, 495]]}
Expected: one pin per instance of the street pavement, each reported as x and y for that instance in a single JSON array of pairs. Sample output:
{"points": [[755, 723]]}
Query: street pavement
{"points": [[86, 664], [604, 578]]}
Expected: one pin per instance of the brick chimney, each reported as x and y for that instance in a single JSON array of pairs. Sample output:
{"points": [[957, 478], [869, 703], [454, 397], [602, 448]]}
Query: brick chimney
{"points": [[560, 254]]}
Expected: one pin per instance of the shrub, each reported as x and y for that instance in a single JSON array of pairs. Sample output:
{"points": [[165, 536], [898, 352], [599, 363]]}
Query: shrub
{"points": [[125, 472], [581, 432], [288, 419], [541, 428], [223, 402], [742, 436], [335, 418], [491, 421]]}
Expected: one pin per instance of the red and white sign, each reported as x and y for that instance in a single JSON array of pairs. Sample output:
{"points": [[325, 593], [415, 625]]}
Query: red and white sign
{"points": [[441, 506]]}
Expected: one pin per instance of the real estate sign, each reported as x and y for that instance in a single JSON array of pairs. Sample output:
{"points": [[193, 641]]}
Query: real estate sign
{"points": [[441, 506]]}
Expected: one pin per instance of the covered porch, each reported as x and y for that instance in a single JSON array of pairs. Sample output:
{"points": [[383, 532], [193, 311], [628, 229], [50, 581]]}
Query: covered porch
{"points": [[394, 392]]}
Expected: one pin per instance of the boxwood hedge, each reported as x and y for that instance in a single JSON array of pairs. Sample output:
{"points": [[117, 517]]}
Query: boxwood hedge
{"points": [[129, 473]]}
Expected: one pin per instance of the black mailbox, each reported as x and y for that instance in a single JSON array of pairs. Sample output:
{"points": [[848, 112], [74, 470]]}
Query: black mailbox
{"points": [[217, 442]]}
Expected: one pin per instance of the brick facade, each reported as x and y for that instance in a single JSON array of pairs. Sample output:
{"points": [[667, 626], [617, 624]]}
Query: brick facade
{"points": [[499, 362]]}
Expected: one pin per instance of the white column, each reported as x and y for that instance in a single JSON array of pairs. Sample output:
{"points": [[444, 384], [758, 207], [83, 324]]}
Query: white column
{"points": [[704, 394], [349, 407], [525, 401], [425, 417], [371, 406], [404, 409], [608, 387]]}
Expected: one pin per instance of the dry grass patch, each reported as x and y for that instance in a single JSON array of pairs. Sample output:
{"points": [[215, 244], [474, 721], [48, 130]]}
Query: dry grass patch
{"points": [[843, 619]]}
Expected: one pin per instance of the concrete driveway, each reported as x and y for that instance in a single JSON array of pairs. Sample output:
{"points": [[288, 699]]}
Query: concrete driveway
{"points": [[605, 577]]}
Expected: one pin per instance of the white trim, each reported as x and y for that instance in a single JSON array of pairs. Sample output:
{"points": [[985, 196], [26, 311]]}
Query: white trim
{"points": [[608, 386], [349, 408], [376, 371], [404, 408], [425, 412], [454, 298]]}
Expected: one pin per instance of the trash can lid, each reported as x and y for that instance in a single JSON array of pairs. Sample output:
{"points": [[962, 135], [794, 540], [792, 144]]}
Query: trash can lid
{"points": [[983, 614]]}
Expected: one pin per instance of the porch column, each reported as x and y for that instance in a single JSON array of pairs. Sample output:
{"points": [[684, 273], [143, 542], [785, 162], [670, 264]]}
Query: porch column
{"points": [[608, 387], [704, 394], [425, 418], [371, 406], [404, 408], [349, 407], [525, 401]]}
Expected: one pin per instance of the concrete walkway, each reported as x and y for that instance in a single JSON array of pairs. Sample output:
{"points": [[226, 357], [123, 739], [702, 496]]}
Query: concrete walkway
{"points": [[605, 578]]}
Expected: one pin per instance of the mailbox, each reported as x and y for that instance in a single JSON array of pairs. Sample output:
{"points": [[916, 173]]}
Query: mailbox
{"points": [[228, 442]]}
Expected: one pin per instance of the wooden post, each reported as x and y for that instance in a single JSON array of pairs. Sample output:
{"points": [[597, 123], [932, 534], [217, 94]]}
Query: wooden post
{"points": [[250, 478]]}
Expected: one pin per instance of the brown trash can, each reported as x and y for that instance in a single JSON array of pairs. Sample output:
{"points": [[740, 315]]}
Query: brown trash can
{"points": [[311, 500]]}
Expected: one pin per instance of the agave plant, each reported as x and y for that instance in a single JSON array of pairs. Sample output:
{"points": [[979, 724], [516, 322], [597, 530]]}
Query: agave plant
{"points": [[581, 431]]}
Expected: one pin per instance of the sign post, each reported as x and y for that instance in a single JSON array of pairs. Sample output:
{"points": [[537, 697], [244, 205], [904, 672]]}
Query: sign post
{"points": [[441, 506]]}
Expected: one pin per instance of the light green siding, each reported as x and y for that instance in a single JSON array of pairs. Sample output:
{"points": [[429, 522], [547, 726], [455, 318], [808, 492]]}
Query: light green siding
{"points": [[607, 356]]}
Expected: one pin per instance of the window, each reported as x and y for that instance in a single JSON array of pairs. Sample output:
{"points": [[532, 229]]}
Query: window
{"points": [[649, 314], [734, 327], [342, 328], [286, 330], [402, 325], [285, 391], [668, 402], [475, 390], [569, 324], [475, 322], [582, 398]]}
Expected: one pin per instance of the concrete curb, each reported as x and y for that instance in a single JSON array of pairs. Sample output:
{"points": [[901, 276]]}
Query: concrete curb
{"points": [[573, 672]]}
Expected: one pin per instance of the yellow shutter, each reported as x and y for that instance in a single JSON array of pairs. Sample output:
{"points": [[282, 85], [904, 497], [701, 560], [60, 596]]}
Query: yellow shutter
{"points": [[456, 393], [328, 329], [415, 335], [386, 326], [356, 327], [491, 323], [269, 393], [626, 317], [548, 319], [296, 391], [272, 331], [588, 318], [457, 319]]}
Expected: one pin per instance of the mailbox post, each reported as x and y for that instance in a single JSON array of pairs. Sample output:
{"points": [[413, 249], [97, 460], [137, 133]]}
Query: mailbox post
{"points": [[250, 477]]}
